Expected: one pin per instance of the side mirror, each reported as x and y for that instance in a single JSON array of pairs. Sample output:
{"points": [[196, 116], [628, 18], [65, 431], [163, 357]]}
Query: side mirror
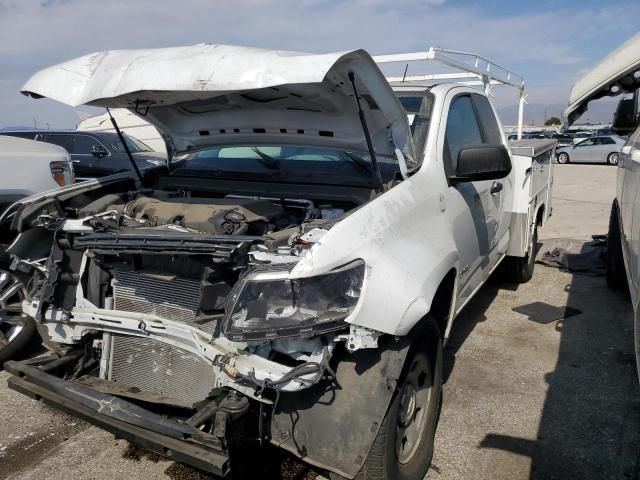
{"points": [[98, 151], [484, 162], [625, 119]]}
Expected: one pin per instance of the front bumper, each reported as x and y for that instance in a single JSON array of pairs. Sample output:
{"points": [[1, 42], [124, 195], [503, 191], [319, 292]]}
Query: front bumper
{"points": [[170, 438]]}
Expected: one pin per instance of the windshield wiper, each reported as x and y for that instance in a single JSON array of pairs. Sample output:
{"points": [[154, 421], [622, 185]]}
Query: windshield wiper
{"points": [[267, 160]]}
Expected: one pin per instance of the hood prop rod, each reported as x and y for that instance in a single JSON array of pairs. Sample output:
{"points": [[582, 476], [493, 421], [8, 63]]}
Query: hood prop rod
{"points": [[367, 136], [126, 147]]}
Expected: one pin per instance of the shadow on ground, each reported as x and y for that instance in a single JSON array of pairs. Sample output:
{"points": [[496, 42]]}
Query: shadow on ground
{"points": [[591, 417]]}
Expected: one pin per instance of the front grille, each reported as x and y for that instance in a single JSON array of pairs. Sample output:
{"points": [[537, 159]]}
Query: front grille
{"points": [[151, 365], [158, 367]]}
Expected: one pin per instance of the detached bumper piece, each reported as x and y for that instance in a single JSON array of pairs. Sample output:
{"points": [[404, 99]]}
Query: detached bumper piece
{"points": [[178, 441]]}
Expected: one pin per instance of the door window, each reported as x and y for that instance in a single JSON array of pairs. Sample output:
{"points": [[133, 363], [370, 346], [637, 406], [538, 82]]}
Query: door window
{"points": [[463, 130], [586, 143], [84, 145], [488, 122], [62, 140], [605, 141]]}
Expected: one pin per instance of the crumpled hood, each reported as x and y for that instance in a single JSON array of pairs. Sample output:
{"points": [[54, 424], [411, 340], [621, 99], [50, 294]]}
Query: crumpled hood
{"points": [[616, 70], [205, 95]]}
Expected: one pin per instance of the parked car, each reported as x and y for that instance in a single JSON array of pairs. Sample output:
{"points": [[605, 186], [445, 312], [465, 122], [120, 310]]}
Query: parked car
{"points": [[28, 168], [605, 149], [617, 74], [293, 276], [96, 154]]}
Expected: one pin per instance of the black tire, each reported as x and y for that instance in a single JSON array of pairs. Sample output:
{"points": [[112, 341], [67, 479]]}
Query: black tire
{"points": [[612, 158], [520, 269], [563, 157], [383, 461], [616, 274], [19, 343]]}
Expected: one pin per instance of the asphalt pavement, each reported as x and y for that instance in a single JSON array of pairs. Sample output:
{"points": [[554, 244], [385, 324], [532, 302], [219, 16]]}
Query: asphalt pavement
{"points": [[540, 380]]}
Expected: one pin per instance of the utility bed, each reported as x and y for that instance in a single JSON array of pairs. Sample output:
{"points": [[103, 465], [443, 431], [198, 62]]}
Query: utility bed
{"points": [[533, 167]]}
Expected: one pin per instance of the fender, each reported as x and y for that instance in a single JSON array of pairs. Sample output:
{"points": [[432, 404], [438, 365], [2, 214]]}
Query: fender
{"points": [[422, 304], [318, 423]]}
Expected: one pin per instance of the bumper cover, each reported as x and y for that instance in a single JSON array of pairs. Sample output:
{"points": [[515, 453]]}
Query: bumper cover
{"points": [[169, 438]]}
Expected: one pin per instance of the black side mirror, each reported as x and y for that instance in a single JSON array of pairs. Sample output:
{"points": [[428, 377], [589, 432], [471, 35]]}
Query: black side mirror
{"points": [[98, 151], [484, 162], [625, 120]]}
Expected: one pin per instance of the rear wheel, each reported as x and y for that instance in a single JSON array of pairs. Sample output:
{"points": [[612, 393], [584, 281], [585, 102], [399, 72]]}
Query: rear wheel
{"points": [[403, 448], [616, 275], [563, 157], [612, 158], [520, 269]]}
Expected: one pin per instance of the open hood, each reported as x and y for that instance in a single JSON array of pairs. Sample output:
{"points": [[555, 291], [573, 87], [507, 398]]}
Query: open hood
{"points": [[205, 95], [615, 74]]}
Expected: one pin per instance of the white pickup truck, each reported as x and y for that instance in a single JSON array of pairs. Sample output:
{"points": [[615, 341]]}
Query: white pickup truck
{"points": [[292, 274]]}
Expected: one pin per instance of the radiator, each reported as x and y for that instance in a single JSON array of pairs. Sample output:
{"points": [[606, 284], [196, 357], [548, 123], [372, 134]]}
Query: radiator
{"points": [[151, 365]]}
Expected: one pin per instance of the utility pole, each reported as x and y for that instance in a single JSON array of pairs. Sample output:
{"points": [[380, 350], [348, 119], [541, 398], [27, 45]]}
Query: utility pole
{"points": [[35, 124]]}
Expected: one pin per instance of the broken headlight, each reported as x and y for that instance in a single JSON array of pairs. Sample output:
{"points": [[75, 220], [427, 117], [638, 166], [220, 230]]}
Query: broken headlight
{"points": [[267, 304]]}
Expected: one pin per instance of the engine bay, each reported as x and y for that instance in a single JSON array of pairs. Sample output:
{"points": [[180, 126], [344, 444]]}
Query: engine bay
{"points": [[155, 281]]}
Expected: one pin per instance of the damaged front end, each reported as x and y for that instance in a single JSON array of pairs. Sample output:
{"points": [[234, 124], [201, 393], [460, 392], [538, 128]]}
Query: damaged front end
{"points": [[184, 306]]}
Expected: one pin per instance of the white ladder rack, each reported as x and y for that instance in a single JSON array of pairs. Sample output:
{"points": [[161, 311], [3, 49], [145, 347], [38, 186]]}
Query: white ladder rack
{"points": [[474, 69]]}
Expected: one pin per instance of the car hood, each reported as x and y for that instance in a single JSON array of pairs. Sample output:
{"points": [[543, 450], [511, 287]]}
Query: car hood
{"points": [[612, 76], [205, 95]]}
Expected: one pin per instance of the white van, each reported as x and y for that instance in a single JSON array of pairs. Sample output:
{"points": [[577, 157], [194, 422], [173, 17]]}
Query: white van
{"points": [[619, 73]]}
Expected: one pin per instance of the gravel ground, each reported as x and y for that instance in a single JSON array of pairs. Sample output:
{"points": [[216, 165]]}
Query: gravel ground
{"points": [[531, 392]]}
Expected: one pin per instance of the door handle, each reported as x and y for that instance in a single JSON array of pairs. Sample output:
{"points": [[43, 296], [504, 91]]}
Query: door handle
{"points": [[496, 187]]}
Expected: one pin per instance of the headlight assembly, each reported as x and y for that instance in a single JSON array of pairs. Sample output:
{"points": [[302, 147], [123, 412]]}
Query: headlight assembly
{"points": [[266, 304]]}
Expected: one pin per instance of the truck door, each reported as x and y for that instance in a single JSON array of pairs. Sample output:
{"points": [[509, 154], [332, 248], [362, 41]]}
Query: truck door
{"points": [[475, 206]]}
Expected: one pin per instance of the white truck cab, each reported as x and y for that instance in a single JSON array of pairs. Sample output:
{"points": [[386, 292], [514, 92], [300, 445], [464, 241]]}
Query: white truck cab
{"points": [[292, 274]]}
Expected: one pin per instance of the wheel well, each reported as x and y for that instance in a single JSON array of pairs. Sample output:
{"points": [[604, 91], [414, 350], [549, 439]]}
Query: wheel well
{"points": [[441, 304]]}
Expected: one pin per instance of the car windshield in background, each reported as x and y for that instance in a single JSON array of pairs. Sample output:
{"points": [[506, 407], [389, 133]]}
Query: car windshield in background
{"points": [[115, 145], [285, 161]]}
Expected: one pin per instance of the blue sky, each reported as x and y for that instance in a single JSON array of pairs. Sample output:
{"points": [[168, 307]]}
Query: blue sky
{"points": [[549, 42]]}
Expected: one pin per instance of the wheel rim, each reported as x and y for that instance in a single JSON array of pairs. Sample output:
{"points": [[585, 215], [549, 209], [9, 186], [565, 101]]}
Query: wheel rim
{"points": [[10, 328], [613, 158], [562, 158], [12, 293], [415, 397]]}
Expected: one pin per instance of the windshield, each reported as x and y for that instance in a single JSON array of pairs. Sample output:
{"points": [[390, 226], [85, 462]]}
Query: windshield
{"points": [[283, 162], [115, 145], [418, 108]]}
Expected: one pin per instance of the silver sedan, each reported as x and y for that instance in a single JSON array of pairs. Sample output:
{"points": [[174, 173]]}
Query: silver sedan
{"points": [[604, 149]]}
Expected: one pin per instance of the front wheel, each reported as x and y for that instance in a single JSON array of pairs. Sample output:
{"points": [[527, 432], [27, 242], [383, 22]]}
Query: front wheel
{"points": [[403, 448], [563, 157], [612, 158], [16, 330]]}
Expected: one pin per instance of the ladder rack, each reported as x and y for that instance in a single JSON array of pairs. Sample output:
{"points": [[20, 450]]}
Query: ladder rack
{"points": [[475, 70]]}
